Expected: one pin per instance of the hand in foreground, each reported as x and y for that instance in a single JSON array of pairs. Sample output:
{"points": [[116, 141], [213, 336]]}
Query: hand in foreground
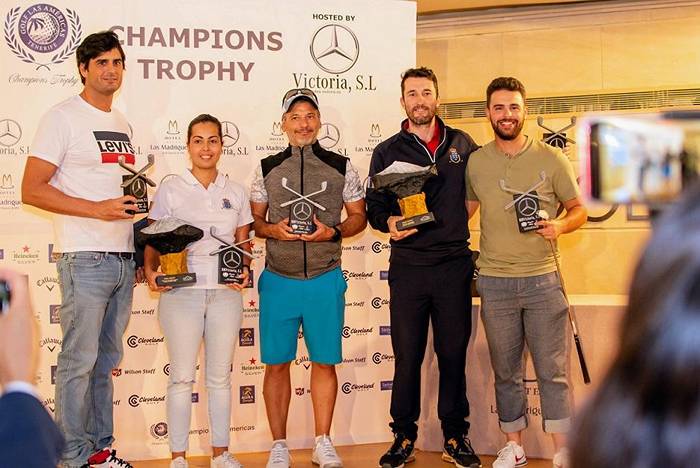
{"points": [[244, 277], [283, 231], [550, 230], [115, 208], [18, 333], [395, 234], [322, 233], [151, 280]]}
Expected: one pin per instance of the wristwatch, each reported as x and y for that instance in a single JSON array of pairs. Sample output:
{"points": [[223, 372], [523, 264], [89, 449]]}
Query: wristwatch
{"points": [[337, 235]]}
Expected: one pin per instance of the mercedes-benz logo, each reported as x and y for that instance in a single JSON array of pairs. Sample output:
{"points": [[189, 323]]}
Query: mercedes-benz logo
{"points": [[302, 211], [10, 132], [334, 48], [328, 135], [527, 206], [138, 188], [231, 259], [230, 133]]}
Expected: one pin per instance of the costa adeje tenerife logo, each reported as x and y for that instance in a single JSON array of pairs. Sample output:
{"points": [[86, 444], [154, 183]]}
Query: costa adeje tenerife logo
{"points": [[42, 34], [335, 48], [159, 431]]}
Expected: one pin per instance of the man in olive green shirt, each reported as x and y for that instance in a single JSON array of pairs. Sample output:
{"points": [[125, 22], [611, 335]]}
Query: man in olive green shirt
{"points": [[511, 179]]}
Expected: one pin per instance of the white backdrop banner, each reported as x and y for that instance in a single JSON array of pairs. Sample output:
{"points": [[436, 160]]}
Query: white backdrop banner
{"points": [[234, 60]]}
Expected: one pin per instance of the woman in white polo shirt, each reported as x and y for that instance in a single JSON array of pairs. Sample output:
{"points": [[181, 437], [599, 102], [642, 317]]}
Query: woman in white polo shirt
{"points": [[202, 197]]}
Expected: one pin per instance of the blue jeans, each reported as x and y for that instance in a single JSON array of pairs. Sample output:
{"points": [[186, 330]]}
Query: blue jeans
{"points": [[96, 293], [529, 309]]}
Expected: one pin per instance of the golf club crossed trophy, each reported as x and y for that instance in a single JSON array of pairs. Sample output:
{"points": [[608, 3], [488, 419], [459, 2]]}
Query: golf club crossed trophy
{"points": [[230, 258], [526, 203], [302, 208], [135, 184]]}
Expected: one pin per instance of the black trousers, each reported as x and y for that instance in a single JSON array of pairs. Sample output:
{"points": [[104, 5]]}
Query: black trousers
{"points": [[439, 294]]}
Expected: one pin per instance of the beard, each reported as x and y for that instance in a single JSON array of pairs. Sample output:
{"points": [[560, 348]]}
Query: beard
{"points": [[421, 119], [511, 134]]}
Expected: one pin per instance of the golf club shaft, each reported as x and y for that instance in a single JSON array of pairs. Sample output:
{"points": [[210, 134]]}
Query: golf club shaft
{"points": [[572, 320]]}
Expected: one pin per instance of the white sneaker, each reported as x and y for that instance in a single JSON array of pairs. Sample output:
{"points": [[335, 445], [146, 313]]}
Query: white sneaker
{"points": [[279, 455], [324, 454], [179, 462], [225, 460], [510, 456], [561, 459]]}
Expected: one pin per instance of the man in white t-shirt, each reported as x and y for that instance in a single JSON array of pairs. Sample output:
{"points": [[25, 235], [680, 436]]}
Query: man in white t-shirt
{"points": [[72, 171]]}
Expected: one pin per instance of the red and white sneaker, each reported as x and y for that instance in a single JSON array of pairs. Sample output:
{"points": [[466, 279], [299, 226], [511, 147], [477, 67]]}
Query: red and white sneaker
{"points": [[106, 458], [510, 456]]}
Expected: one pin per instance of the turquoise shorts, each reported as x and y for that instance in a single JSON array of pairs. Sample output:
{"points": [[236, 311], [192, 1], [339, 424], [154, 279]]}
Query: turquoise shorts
{"points": [[316, 304]]}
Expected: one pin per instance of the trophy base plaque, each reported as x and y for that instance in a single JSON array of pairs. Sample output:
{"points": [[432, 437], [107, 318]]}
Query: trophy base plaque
{"points": [[414, 221], [177, 280], [230, 276]]}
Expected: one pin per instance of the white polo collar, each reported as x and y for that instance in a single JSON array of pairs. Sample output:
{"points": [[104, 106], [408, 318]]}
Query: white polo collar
{"points": [[187, 175]]}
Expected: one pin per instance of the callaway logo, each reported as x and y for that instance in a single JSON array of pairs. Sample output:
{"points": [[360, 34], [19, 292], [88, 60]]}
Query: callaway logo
{"points": [[328, 135], [335, 48], [10, 132]]}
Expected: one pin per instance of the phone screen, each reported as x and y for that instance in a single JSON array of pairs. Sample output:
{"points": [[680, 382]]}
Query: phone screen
{"points": [[633, 160]]}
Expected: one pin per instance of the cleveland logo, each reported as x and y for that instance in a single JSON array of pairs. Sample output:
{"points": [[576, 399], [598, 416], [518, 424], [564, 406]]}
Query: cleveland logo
{"points": [[115, 144]]}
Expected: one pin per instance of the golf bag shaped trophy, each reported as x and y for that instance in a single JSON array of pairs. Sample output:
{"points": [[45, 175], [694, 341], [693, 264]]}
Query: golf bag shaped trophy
{"points": [[170, 236], [406, 181]]}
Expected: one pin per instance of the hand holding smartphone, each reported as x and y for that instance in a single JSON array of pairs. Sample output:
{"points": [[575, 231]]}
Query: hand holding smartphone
{"points": [[18, 330], [4, 297]]}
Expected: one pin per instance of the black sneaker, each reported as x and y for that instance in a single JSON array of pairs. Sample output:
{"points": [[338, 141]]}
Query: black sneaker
{"points": [[460, 452], [400, 453]]}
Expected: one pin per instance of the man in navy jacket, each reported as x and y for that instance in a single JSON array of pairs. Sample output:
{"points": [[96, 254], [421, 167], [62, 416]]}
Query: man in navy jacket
{"points": [[28, 436], [430, 271]]}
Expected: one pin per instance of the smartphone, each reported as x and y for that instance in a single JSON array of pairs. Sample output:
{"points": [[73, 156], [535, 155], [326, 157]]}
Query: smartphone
{"points": [[4, 297], [631, 159]]}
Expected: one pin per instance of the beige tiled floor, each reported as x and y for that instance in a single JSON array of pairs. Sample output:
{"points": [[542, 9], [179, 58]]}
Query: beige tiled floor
{"points": [[356, 456]]}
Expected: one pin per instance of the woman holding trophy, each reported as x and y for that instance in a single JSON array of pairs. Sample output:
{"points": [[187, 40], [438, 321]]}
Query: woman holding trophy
{"points": [[203, 200]]}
